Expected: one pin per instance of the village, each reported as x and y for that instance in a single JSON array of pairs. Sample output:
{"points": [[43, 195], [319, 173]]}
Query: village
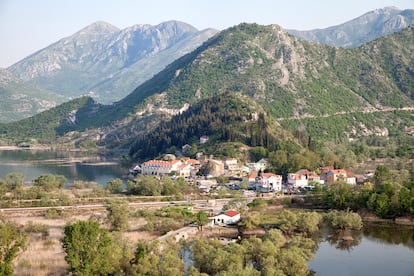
{"points": [[251, 177]]}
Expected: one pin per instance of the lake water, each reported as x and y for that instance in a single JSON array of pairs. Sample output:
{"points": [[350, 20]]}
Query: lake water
{"points": [[73, 165], [379, 250]]}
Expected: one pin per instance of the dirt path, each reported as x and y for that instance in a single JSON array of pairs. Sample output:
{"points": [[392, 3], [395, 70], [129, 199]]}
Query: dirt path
{"points": [[364, 111]]}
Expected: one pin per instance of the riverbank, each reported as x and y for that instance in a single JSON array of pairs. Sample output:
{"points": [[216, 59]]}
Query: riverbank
{"points": [[371, 217], [46, 148]]}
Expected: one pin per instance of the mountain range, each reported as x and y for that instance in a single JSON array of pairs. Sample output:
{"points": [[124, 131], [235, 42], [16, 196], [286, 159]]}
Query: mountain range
{"points": [[322, 91], [361, 30], [20, 99], [105, 62]]}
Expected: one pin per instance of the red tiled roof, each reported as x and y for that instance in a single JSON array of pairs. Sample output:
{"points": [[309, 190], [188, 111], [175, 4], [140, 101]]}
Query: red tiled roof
{"points": [[231, 213], [267, 175], [339, 171], [182, 166], [192, 161], [295, 176]]}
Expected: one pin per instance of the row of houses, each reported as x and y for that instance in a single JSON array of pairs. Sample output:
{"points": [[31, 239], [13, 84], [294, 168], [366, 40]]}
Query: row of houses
{"points": [[187, 167], [264, 182], [269, 182]]}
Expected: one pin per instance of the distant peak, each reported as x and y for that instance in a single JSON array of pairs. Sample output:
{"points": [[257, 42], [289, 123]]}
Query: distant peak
{"points": [[99, 27], [177, 23], [391, 8], [386, 10]]}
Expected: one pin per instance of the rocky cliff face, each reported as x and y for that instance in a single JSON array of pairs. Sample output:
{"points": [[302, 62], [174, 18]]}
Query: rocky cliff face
{"points": [[360, 30], [94, 55]]}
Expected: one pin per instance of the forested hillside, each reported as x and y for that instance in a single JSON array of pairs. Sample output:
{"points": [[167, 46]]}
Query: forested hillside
{"points": [[317, 91], [223, 118]]}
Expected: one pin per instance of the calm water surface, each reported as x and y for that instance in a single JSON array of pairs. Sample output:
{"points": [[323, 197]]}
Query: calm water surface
{"points": [[380, 250], [74, 166]]}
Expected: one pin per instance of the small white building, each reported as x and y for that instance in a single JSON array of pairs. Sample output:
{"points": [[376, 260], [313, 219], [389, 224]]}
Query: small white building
{"points": [[186, 148], [297, 180], [203, 139], [260, 165], [184, 170], [227, 218], [231, 164], [269, 182]]}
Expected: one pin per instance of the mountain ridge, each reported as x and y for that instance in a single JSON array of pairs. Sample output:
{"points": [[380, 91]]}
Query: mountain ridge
{"points": [[362, 29], [20, 100], [286, 76], [78, 63]]}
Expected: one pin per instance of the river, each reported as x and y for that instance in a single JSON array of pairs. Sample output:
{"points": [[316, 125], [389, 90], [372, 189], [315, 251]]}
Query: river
{"points": [[73, 165], [379, 250]]}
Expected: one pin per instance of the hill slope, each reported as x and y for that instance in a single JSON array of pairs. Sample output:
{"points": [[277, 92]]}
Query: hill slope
{"points": [[20, 100], [87, 61], [361, 30], [224, 118], [293, 81]]}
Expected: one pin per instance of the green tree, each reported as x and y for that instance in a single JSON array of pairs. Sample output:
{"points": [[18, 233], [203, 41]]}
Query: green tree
{"points": [[250, 221], [202, 219], [338, 195], [14, 181], [88, 248], [276, 237], [118, 215], [308, 222], [114, 186], [382, 175], [49, 182], [343, 220], [145, 185], [287, 221], [292, 262], [12, 241], [257, 153], [406, 200]]}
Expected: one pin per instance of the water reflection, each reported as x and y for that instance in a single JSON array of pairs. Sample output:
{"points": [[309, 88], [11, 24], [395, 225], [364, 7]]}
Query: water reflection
{"points": [[376, 250], [385, 233], [344, 239], [73, 165]]}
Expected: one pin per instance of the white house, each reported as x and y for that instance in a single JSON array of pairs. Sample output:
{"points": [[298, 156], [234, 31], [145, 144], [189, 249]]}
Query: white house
{"points": [[227, 218], [160, 167], [297, 180], [310, 176], [186, 148], [351, 179], [269, 182], [231, 164], [203, 139], [184, 170], [260, 165]]}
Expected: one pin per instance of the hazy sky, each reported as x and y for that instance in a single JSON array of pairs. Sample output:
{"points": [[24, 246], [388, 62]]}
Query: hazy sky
{"points": [[30, 25]]}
